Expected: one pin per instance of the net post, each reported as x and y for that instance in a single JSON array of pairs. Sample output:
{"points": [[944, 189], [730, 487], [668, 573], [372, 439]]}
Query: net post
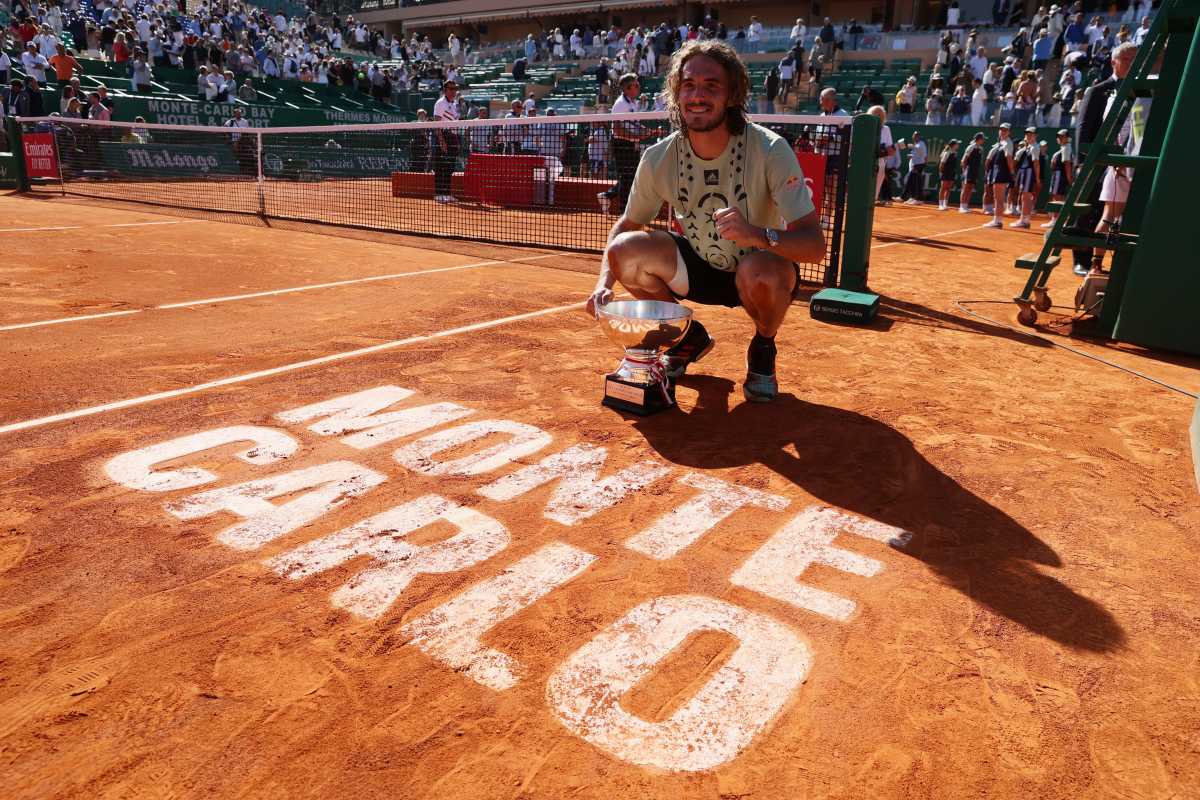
{"points": [[258, 160], [860, 201], [18, 151]]}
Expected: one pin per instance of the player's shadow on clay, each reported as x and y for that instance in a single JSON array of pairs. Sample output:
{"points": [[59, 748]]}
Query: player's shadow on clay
{"points": [[864, 466]]}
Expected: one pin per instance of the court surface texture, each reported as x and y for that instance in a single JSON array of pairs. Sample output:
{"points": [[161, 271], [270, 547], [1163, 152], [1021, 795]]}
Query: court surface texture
{"points": [[285, 514]]}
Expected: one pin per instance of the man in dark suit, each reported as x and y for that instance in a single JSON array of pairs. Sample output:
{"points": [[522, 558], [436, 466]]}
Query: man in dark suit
{"points": [[1092, 110]]}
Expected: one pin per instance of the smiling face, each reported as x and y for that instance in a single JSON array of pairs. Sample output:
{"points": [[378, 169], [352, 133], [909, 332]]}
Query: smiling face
{"points": [[704, 94]]}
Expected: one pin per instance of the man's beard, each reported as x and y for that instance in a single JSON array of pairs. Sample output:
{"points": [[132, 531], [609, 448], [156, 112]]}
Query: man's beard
{"points": [[716, 122]]}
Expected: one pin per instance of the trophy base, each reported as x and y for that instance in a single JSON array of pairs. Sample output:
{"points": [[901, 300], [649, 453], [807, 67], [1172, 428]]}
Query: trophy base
{"points": [[642, 399]]}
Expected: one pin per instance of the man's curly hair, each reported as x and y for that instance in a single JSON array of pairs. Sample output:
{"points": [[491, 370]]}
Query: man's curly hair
{"points": [[735, 70]]}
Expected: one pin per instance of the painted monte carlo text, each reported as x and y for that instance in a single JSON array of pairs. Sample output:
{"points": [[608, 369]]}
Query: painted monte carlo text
{"points": [[740, 701]]}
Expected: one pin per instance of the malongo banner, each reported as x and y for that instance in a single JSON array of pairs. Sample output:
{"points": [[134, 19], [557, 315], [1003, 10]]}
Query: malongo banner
{"points": [[175, 160]]}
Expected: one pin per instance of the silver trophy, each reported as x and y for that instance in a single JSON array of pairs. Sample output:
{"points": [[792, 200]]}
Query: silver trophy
{"points": [[645, 329]]}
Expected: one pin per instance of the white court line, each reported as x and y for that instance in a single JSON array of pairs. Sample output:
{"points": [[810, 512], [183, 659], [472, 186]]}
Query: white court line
{"points": [[114, 225], [52, 228], [268, 293], [69, 319], [308, 287], [919, 239], [266, 373], [137, 224]]}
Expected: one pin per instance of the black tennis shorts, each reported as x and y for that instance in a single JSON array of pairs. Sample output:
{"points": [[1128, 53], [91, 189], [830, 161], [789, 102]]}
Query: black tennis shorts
{"points": [[708, 285]]}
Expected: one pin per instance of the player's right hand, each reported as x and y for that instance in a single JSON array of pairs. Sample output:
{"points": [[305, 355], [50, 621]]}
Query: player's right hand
{"points": [[601, 297]]}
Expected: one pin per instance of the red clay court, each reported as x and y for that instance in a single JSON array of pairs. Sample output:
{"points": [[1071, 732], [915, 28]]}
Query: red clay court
{"points": [[290, 514]]}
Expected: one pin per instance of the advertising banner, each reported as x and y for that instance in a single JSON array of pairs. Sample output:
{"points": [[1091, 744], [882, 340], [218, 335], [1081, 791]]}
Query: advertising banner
{"points": [[41, 155], [176, 160]]}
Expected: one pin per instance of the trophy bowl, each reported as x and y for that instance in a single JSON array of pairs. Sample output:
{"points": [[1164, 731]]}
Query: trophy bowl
{"points": [[644, 329]]}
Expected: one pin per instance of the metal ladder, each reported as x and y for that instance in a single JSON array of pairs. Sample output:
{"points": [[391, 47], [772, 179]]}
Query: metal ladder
{"points": [[1171, 29]]}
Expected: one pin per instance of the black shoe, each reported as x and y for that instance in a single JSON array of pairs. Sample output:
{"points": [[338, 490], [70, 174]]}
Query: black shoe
{"points": [[694, 346], [760, 385]]}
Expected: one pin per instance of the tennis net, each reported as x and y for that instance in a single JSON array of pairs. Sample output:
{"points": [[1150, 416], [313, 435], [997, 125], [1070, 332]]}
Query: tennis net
{"points": [[553, 181]]}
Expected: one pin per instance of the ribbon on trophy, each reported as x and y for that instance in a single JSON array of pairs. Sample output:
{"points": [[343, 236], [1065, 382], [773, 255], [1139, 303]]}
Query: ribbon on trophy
{"points": [[654, 366]]}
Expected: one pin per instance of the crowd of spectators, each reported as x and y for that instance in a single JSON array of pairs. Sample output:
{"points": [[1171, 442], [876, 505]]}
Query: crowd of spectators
{"points": [[225, 43], [1034, 78], [1037, 78]]}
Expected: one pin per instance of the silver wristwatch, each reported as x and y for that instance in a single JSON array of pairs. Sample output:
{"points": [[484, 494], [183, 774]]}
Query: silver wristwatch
{"points": [[772, 237]]}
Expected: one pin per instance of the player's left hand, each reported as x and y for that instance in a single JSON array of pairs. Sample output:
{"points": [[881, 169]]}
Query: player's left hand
{"points": [[733, 226]]}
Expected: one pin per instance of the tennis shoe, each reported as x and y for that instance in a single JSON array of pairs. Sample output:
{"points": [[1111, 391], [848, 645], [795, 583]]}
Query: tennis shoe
{"points": [[993, 224], [760, 385], [694, 345], [964, 210], [1021, 223]]}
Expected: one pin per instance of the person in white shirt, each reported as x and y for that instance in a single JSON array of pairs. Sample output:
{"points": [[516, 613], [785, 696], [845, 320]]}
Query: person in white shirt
{"points": [[143, 28], [597, 143], [978, 103], [625, 139], [885, 144], [1139, 35], [54, 19], [244, 147], [550, 139], [787, 74], [530, 134], [1039, 17], [510, 135], [576, 44], [754, 34], [213, 84], [646, 63], [530, 104], [5, 68], [979, 63], [1055, 22], [34, 63], [482, 137], [47, 43], [799, 31], [445, 143]]}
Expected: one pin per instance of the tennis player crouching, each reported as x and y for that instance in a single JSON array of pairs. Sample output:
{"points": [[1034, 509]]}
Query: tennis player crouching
{"points": [[739, 195]]}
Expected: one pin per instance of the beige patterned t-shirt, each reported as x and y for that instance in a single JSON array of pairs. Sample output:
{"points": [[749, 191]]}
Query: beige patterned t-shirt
{"points": [[758, 174]]}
